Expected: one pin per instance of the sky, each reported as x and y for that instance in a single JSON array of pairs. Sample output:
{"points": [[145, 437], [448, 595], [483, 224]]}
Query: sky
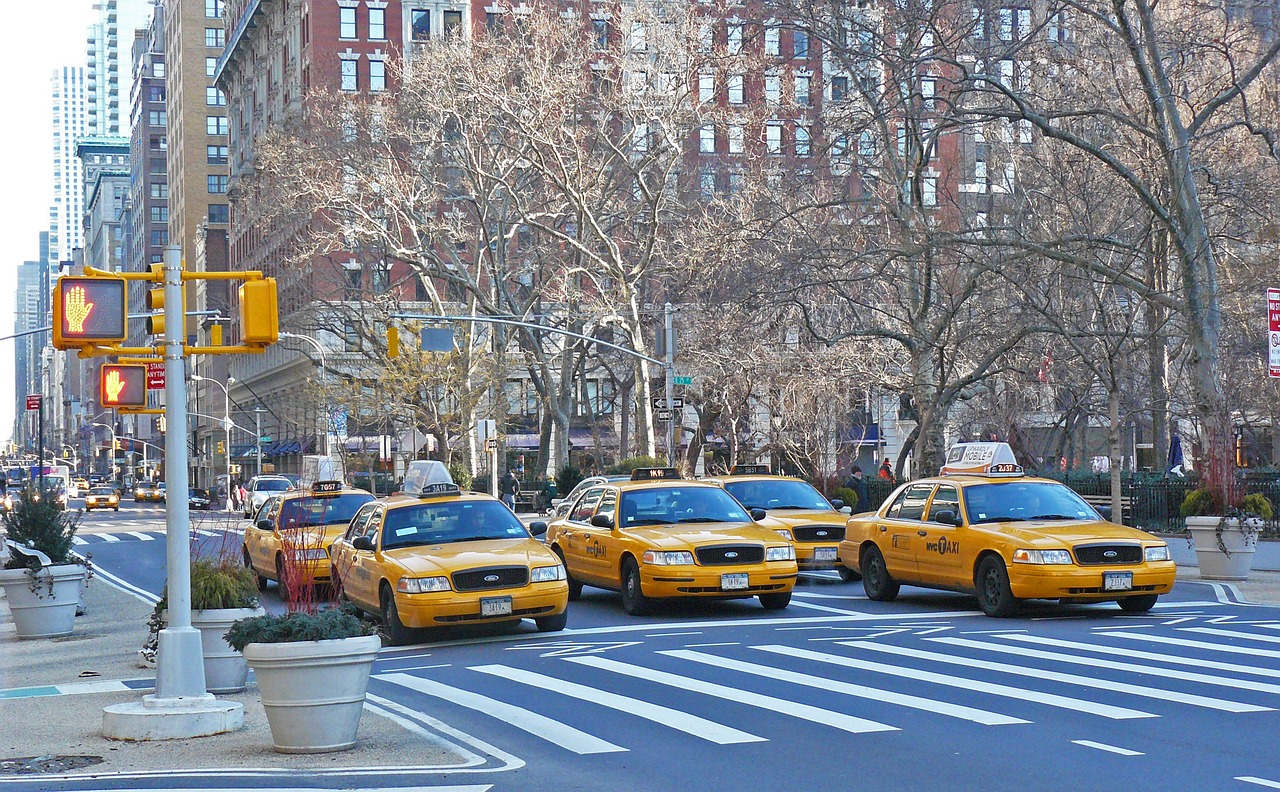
{"points": [[34, 39]]}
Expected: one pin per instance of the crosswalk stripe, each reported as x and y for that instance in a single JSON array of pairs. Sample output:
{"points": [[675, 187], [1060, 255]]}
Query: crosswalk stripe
{"points": [[836, 720], [861, 691], [553, 731], [142, 536], [664, 716], [1190, 644], [1096, 662], [964, 683], [109, 537], [1108, 748], [78, 540], [823, 608], [1138, 654], [1162, 694], [1233, 634]]}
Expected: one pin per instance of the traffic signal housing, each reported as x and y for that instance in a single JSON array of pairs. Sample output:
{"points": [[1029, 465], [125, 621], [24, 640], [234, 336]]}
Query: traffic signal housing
{"points": [[122, 385], [393, 342], [155, 304], [259, 312], [89, 311]]}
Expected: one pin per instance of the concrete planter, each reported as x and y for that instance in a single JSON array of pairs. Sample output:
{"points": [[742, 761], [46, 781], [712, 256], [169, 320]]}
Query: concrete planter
{"points": [[225, 669], [313, 691], [39, 613], [1240, 543]]}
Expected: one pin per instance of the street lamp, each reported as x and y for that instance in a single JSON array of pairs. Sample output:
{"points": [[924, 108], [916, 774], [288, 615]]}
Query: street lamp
{"points": [[323, 389], [226, 428], [114, 441]]}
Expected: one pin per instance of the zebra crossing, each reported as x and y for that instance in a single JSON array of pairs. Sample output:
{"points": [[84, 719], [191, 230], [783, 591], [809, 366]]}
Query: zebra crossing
{"points": [[84, 539], [730, 694]]}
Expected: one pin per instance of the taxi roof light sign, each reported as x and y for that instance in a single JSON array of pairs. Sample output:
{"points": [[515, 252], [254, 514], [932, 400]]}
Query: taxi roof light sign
{"points": [[428, 477], [326, 488], [993, 460], [749, 470], [654, 474]]}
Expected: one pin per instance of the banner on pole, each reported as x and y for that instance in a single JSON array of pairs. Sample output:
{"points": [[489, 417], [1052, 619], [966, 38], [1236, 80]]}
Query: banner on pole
{"points": [[1273, 332]]}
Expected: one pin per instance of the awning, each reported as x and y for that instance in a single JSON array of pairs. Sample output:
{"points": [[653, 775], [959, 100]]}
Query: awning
{"points": [[578, 439], [865, 435]]}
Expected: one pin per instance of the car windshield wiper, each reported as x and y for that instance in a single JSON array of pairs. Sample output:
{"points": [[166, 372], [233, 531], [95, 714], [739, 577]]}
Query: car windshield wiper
{"points": [[483, 538], [648, 521], [1054, 517], [999, 519], [701, 520]]}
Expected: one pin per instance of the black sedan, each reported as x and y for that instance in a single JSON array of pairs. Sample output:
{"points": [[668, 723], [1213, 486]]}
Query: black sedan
{"points": [[198, 499]]}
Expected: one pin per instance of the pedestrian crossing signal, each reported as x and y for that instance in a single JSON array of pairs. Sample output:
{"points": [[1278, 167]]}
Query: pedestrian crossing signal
{"points": [[122, 386], [89, 311]]}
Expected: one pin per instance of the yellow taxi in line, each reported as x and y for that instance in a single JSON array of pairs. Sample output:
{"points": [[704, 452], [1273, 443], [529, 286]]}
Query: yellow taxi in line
{"points": [[795, 510], [434, 556], [984, 527], [290, 537], [102, 498], [659, 536]]}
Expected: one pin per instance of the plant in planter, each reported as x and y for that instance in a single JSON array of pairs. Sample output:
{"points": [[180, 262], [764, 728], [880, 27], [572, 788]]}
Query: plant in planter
{"points": [[42, 577], [1223, 528]]}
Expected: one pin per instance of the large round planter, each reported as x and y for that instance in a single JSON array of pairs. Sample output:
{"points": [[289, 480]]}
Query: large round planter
{"points": [[1215, 564], [39, 613], [225, 669], [313, 691]]}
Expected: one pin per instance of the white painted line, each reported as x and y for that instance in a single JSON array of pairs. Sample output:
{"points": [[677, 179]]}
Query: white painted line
{"points": [[726, 643], [984, 717], [1161, 694], [1132, 668], [142, 536], [1189, 644], [1179, 620], [552, 731], [451, 788], [1262, 782], [669, 635], [109, 537], [417, 668], [949, 680], [816, 595], [78, 540], [1234, 634], [836, 720], [989, 632], [1109, 748], [823, 608], [663, 716], [125, 586], [1138, 654]]}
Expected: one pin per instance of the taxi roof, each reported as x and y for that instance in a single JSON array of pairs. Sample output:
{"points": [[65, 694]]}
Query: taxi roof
{"points": [[401, 499], [658, 483], [306, 493]]}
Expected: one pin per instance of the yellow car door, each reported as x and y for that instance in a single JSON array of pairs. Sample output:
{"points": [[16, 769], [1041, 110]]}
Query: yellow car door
{"points": [[895, 532], [260, 541], [939, 557], [344, 560], [367, 567], [578, 534], [603, 545]]}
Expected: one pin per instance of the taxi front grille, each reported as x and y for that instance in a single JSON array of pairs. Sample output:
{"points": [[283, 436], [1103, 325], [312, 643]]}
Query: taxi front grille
{"points": [[1095, 555], [818, 533], [724, 555], [502, 577]]}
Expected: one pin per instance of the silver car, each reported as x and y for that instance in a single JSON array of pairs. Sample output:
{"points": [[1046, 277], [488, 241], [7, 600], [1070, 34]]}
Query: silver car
{"points": [[561, 505], [260, 488]]}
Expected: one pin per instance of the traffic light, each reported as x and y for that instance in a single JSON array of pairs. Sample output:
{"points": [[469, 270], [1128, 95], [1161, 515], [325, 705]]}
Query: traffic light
{"points": [[89, 311], [215, 335], [122, 386], [155, 304], [393, 342], [259, 314]]}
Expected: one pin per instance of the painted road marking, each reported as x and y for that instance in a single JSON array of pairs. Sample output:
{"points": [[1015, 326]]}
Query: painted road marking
{"points": [[860, 691], [1233, 634], [78, 540], [1163, 694], [552, 731], [949, 680], [141, 536], [106, 537], [1109, 748], [664, 716], [1262, 782], [1138, 654], [823, 608], [1189, 644], [836, 720]]}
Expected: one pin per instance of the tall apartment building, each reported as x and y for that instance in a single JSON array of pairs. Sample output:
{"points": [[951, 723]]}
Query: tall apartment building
{"points": [[148, 210], [109, 40], [70, 119], [31, 310]]}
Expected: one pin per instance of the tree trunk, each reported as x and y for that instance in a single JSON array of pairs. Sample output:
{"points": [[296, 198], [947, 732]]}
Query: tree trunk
{"points": [[1158, 353], [1113, 442]]}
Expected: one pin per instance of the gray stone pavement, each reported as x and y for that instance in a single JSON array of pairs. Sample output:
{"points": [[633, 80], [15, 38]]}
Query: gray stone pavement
{"points": [[1262, 587]]}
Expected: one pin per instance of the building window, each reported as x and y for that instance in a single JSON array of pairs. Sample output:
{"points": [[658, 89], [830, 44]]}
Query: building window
{"points": [[155, 93], [600, 30], [929, 191], [351, 337], [157, 69], [420, 24], [219, 213], [214, 98], [217, 184], [802, 90], [160, 237], [213, 9], [839, 88], [773, 139], [210, 66], [215, 37], [160, 189], [452, 25], [928, 89], [377, 24], [800, 43], [706, 139], [772, 40], [707, 185], [350, 81], [159, 214], [160, 143], [734, 38], [737, 136], [216, 155], [802, 141], [157, 118], [980, 175], [377, 75], [706, 87], [736, 89], [492, 21], [772, 89], [639, 37], [346, 23], [215, 125], [706, 38]]}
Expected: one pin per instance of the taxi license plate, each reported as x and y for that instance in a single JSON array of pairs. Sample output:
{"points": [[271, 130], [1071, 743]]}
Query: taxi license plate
{"points": [[495, 606], [734, 580], [1117, 581], [824, 554]]}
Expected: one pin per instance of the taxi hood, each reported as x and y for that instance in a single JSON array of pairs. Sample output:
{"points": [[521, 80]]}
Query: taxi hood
{"points": [[444, 559], [1068, 532], [790, 518], [680, 537]]}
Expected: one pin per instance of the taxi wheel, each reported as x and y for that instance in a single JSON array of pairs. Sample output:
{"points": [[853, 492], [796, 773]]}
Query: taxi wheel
{"points": [[1138, 604], [259, 579], [875, 577], [397, 634], [994, 595], [575, 588], [848, 575], [552, 623], [282, 589], [634, 601], [775, 601]]}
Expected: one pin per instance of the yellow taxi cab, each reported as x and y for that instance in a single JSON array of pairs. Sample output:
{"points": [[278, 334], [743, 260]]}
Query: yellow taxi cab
{"points": [[290, 537], [102, 498], [433, 556], [984, 527], [795, 510], [659, 536]]}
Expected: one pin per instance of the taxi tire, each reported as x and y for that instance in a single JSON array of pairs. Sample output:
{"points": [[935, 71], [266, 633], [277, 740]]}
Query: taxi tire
{"points": [[876, 582], [848, 575], [992, 583], [1139, 604], [775, 601], [634, 601], [397, 634], [259, 580], [282, 589], [552, 623], [575, 587]]}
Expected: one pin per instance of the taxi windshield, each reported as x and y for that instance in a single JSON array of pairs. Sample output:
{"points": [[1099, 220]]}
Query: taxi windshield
{"points": [[1024, 500], [102, 491], [451, 521], [777, 494], [338, 510], [669, 505]]}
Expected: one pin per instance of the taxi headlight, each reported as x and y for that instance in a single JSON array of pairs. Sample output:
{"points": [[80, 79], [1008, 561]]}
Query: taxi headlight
{"points": [[1041, 557], [668, 558], [785, 553], [547, 573], [422, 585], [1157, 553], [785, 534]]}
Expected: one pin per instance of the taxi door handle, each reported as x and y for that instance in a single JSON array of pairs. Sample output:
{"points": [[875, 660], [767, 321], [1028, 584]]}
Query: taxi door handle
{"points": [[922, 532], [883, 527]]}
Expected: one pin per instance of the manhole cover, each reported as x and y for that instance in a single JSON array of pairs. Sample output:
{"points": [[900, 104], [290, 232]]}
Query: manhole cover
{"points": [[31, 765]]}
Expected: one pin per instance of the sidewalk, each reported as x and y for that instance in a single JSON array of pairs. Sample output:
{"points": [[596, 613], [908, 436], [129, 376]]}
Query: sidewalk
{"points": [[1262, 587], [52, 692]]}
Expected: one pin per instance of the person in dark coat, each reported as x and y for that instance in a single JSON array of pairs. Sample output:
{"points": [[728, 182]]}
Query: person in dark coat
{"points": [[858, 483]]}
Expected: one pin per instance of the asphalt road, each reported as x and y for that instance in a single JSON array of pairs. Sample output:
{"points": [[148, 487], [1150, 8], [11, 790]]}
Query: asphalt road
{"points": [[835, 692]]}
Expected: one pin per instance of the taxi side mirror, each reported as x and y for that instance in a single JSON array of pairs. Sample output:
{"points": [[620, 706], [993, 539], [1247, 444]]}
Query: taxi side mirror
{"points": [[757, 514], [602, 521], [538, 528], [946, 517], [845, 510], [362, 543], [264, 525], [1106, 512], [837, 504]]}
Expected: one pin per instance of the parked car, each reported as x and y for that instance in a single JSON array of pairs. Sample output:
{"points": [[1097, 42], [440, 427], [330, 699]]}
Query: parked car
{"points": [[260, 488], [198, 499], [560, 506]]}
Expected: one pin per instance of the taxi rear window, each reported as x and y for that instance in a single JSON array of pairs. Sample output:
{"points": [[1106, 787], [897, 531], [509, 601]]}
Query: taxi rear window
{"points": [[298, 512]]}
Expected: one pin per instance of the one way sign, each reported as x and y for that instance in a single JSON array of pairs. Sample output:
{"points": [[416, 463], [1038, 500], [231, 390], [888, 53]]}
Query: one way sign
{"points": [[660, 403]]}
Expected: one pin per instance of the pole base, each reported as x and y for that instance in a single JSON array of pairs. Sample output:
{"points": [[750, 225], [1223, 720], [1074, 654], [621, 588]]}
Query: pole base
{"points": [[180, 661], [178, 718]]}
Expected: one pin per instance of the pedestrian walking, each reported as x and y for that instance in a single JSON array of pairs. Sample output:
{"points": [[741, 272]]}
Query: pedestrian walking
{"points": [[549, 493], [510, 487], [857, 482], [886, 470]]}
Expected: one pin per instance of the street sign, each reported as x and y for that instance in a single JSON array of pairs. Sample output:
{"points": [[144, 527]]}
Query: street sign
{"points": [[1273, 332], [683, 380], [33, 401], [491, 444], [265, 439], [660, 403], [155, 376], [663, 415], [437, 339]]}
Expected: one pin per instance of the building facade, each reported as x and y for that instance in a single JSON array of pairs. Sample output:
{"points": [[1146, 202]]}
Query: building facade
{"points": [[31, 311], [108, 60], [70, 114]]}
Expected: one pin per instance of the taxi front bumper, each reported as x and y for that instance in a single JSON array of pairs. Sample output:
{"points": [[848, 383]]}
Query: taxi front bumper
{"points": [[441, 608], [817, 555], [1050, 581], [769, 577]]}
